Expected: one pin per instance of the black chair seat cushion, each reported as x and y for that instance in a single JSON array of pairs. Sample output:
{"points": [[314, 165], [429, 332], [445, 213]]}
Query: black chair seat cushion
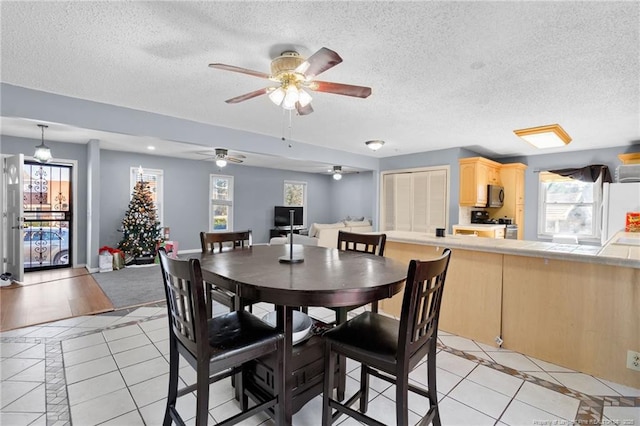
{"points": [[239, 330], [371, 335]]}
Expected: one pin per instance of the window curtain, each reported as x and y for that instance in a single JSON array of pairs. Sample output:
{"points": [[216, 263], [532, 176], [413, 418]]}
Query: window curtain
{"points": [[586, 174]]}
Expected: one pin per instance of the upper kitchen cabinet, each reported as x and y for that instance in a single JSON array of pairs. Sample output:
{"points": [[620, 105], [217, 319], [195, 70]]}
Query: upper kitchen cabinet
{"points": [[632, 158], [475, 174], [512, 176]]}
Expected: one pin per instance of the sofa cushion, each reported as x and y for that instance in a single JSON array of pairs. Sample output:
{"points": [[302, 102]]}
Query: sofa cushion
{"points": [[355, 224], [316, 227]]}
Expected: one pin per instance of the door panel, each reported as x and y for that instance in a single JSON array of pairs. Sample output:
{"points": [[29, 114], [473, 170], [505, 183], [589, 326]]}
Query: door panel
{"points": [[15, 216], [47, 212]]}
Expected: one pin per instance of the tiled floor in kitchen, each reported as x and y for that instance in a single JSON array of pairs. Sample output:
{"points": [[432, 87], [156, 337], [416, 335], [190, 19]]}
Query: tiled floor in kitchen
{"points": [[112, 369]]}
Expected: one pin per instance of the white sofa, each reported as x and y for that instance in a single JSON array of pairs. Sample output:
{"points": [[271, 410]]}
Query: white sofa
{"points": [[326, 234]]}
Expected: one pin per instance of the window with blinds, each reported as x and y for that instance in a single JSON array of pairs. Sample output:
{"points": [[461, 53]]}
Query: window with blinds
{"points": [[415, 200]]}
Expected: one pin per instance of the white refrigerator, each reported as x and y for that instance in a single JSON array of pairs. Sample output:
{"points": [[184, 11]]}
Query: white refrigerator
{"points": [[618, 200]]}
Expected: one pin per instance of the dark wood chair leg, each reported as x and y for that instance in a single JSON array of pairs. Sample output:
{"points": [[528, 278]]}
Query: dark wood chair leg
{"points": [[364, 388], [329, 368], [402, 395], [202, 394], [431, 382], [341, 317], [174, 360]]}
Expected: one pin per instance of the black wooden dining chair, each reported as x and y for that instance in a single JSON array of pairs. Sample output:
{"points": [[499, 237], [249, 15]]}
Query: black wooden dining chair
{"points": [[215, 347], [216, 242], [362, 243], [390, 349]]}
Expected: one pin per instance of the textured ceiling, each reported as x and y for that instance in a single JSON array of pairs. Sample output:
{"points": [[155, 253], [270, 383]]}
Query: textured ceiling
{"points": [[443, 74]]}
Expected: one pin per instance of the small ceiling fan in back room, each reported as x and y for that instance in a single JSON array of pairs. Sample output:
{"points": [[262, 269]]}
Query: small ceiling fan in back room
{"points": [[294, 75], [221, 156]]}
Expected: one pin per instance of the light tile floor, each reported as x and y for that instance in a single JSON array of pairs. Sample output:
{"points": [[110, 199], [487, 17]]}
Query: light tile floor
{"points": [[112, 369]]}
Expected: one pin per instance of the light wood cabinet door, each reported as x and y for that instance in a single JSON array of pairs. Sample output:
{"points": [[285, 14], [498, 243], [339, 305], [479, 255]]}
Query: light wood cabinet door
{"points": [[475, 174], [519, 186], [493, 177], [468, 184], [519, 220]]}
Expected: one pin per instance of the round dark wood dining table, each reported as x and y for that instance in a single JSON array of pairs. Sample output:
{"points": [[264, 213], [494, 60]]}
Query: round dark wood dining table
{"points": [[327, 277]]}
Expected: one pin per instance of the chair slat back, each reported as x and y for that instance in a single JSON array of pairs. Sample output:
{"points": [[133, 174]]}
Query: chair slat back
{"points": [[213, 242], [364, 243], [184, 291], [421, 305]]}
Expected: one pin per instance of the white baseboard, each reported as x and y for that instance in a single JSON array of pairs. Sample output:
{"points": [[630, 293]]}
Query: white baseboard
{"points": [[189, 251]]}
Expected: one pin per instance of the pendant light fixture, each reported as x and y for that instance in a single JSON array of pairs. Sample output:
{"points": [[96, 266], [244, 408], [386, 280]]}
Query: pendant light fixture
{"points": [[43, 153]]}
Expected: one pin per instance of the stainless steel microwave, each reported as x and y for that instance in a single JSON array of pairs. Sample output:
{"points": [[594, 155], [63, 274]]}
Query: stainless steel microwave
{"points": [[495, 196]]}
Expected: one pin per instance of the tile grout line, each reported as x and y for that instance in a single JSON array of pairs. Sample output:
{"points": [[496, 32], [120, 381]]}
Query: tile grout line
{"points": [[590, 409]]}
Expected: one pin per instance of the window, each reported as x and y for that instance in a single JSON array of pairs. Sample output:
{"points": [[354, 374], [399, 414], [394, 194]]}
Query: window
{"points": [[154, 178], [295, 194], [568, 206], [221, 208]]}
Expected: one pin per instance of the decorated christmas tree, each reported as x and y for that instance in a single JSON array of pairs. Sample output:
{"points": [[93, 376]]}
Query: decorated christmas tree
{"points": [[140, 224]]}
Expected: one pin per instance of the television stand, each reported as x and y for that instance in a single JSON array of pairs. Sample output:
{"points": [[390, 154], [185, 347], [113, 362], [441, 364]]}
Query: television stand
{"points": [[284, 230]]}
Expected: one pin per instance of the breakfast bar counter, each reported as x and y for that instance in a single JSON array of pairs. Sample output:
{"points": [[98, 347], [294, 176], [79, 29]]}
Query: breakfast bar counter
{"points": [[622, 250], [572, 305]]}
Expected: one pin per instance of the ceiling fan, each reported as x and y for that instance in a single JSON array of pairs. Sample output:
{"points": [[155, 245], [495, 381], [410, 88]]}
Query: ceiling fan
{"points": [[222, 156], [293, 74]]}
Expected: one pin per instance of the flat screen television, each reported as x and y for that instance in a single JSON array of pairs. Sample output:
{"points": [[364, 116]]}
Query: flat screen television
{"points": [[281, 216]]}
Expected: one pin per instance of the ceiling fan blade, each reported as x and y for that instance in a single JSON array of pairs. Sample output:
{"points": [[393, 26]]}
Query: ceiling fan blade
{"points": [[233, 160], [240, 70], [340, 89], [304, 110], [247, 96], [319, 62]]}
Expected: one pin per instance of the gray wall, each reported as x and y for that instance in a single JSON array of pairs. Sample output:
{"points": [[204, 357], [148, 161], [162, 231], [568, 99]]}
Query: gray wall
{"points": [[353, 196], [186, 186]]}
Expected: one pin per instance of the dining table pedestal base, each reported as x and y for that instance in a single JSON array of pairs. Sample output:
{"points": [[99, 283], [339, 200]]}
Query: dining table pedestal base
{"points": [[307, 361]]}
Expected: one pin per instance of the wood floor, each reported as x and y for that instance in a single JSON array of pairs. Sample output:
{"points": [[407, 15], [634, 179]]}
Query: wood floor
{"points": [[51, 295]]}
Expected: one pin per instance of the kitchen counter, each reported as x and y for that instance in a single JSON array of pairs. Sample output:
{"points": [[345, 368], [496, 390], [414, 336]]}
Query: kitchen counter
{"points": [[538, 298], [614, 253]]}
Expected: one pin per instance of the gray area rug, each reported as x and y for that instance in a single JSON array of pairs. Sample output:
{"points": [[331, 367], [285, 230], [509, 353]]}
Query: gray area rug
{"points": [[132, 286]]}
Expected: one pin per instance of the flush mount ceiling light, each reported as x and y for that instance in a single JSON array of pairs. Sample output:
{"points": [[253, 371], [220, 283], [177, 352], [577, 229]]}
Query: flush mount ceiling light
{"points": [[374, 145], [43, 153], [545, 136], [337, 172]]}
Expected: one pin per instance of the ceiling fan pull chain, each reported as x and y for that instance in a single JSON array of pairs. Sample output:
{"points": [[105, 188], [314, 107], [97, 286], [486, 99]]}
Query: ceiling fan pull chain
{"points": [[290, 124]]}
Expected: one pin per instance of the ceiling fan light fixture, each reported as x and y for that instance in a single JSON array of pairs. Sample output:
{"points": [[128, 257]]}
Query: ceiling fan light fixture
{"points": [[221, 162], [43, 152], [541, 137], [304, 98], [291, 97], [374, 145], [277, 96], [337, 172]]}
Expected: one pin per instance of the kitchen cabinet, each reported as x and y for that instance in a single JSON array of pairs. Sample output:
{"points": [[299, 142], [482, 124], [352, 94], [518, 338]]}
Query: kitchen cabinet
{"points": [[475, 174], [479, 230], [512, 176], [631, 158]]}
